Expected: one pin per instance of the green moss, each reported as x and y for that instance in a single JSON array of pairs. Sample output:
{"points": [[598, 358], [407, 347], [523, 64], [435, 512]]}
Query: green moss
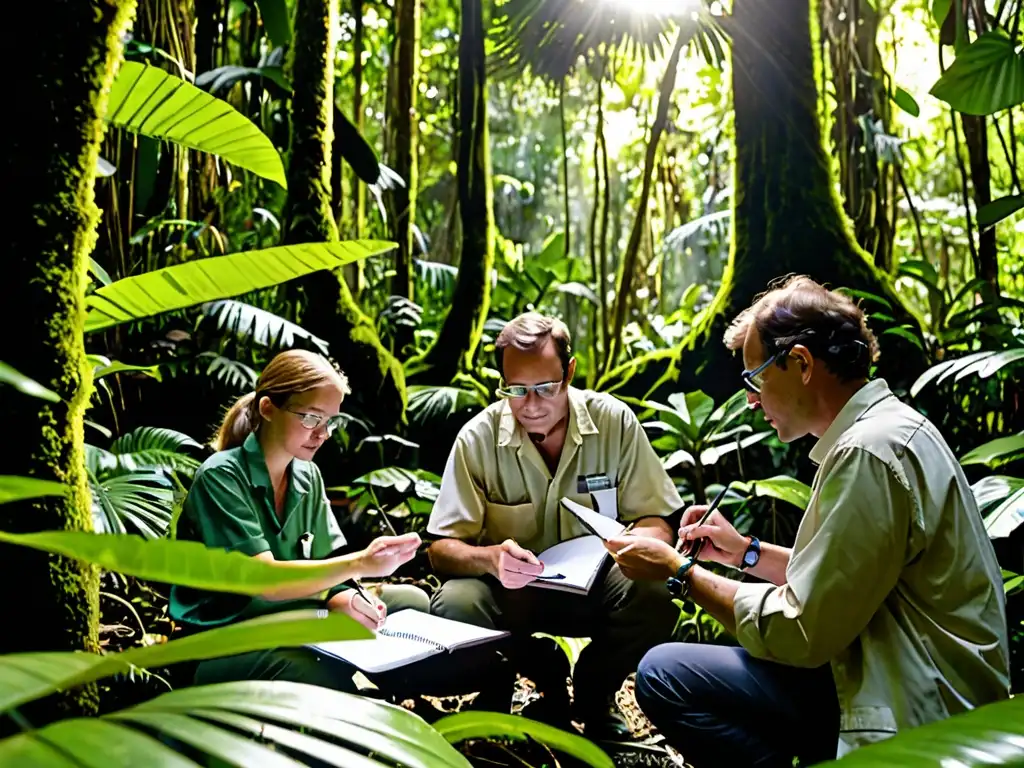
{"points": [[68, 72], [330, 312], [786, 212]]}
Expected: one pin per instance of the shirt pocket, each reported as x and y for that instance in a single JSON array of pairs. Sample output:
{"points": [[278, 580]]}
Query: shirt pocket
{"points": [[509, 521]]}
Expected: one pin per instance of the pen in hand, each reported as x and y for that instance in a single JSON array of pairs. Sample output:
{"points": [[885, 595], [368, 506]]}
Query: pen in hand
{"points": [[696, 544]]}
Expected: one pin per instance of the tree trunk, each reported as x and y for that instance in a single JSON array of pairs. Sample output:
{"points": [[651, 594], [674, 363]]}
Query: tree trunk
{"points": [[786, 215], [376, 377], [624, 290], [354, 273], [976, 138], [456, 344], [403, 125], [50, 603]]}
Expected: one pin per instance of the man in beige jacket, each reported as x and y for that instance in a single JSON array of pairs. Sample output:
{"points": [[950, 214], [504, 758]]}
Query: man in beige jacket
{"points": [[887, 613]]}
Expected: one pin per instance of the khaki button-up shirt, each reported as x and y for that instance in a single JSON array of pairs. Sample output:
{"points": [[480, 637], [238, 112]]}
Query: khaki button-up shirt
{"points": [[496, 485], [892, 578]]}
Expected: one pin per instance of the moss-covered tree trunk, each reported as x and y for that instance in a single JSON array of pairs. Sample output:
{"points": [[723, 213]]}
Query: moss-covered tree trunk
{"points": [[50, 603], [403, 125], [456, 344], [377, 380], [786, 214]]}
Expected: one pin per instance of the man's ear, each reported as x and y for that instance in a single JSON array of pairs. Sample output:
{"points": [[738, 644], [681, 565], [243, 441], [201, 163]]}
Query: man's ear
{"points": [[265, 408], [804, 359], [571, 372]]}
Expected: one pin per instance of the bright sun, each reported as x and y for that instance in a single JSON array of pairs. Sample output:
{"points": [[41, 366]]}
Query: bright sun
{"points": [[662, 7]]}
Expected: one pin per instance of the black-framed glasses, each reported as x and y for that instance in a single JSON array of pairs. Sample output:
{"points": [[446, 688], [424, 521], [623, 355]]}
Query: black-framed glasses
{"points": [[312, 421], [547, 390], [754, 380]]}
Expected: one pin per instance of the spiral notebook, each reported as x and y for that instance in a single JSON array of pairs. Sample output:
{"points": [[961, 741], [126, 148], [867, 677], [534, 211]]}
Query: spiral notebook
{"points": [[408, 636]]}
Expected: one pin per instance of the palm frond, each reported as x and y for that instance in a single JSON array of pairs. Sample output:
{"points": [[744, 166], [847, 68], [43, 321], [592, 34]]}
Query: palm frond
{"points": [[232, 373], [258, 325], [156, 448]]}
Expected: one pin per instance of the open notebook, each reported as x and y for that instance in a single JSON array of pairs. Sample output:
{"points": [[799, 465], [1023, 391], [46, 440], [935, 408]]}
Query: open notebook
{"points": [[578, 560], [406, 637]]}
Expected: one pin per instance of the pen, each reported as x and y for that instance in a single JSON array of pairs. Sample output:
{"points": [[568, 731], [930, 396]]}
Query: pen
{"points": [[696, 543]]}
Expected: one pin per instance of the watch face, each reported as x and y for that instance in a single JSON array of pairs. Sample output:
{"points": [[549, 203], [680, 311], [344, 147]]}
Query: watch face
{"points": [[750, 558]]}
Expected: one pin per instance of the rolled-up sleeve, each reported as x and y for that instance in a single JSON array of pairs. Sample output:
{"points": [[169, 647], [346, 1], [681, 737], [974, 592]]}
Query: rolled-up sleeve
{"points": [[458, 512], [645, 489], [848, 567]]}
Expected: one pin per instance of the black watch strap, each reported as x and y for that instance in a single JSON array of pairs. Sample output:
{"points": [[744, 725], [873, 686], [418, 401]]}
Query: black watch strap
{"points": [[752, 554], [678, 585]]}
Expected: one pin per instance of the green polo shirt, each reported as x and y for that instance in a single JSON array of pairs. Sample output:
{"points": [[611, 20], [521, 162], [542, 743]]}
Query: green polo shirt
{"points": [[230, 506]]}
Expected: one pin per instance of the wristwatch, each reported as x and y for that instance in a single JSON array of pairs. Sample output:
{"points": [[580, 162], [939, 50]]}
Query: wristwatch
{"points": [[751, 555], [679, 584]]}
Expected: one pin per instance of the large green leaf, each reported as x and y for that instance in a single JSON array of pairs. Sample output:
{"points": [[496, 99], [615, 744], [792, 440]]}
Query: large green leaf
{"points": [[28, 676], [25, 385], [219, 277], [104, 366], [781, 487], [151, 102], [986, 77], [14, 488], [187, 563], [995, 452], [429, 403], [992, 213], [155, 448], [484, 725], [265, 328], [995, 488], [989, 735], [276, 21]]}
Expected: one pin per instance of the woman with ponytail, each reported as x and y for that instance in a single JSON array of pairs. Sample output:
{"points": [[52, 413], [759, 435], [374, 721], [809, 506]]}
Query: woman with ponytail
{"points": [[262, 495]]}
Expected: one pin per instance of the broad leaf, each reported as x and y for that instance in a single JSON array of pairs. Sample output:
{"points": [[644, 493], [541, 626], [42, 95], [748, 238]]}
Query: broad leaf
{"points": [[92, 743], [781, 487], [484, 725], [276, 20], [995, 452], [397, 735], [151, 102], [223, 78], [187, 563], [992, 213], [359, 154], [14, 488], [218, 277], [710, 456], [906, 102], [992, 734], [995, 488], [263, 327], [1007, 517], [28, 676], [944, 369], [986, 77], [138, 502], [427, 403], [676, 458], [388, 477], [104, 366], [25, 385]]}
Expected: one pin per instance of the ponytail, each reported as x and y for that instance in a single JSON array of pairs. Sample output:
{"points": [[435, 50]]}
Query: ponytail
{"points": [[287, 374], [240, 420]]}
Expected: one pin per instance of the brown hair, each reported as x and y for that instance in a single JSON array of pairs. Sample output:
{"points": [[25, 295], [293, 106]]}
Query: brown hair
{"points": [[797, 310], [289, 373], [528, 333]]}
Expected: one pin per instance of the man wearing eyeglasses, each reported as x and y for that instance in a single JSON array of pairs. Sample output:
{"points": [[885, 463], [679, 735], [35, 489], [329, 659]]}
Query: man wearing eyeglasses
{"points": [[887, 613], [499, 506]]}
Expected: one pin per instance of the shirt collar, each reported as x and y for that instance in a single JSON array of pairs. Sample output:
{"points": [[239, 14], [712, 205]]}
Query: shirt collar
{"points": [[510, 432], [862, 401], [299, 479]]}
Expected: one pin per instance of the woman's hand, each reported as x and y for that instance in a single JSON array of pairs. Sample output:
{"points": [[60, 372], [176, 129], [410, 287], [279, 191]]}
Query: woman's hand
{"points": [[644, 558], [385, 554], [355, 605]]}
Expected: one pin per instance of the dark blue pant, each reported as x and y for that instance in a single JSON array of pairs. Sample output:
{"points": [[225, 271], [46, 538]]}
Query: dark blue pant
{"points": [[720, 706]]}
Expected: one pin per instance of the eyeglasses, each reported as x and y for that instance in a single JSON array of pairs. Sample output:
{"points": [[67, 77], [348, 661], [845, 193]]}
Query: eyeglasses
{"points": [[754, 380], [312, 421], [547, 390]]}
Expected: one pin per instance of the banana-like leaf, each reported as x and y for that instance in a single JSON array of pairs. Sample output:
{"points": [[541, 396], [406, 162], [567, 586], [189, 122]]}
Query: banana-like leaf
{"points": [[989, 735], [219, 277], [427, 403], [986, 77], [25, 385], [151, 102], [779, 487], [187, 563], [996, 452], [483, 725], [14, 488], [104, 366], [276, 20], [263, 327], [992, 213], [28, 676]]}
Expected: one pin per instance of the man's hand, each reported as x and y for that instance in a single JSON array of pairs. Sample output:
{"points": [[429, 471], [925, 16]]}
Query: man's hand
{"points": [[516, 567], [352, 603], [722, 543], [643, 558]]}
